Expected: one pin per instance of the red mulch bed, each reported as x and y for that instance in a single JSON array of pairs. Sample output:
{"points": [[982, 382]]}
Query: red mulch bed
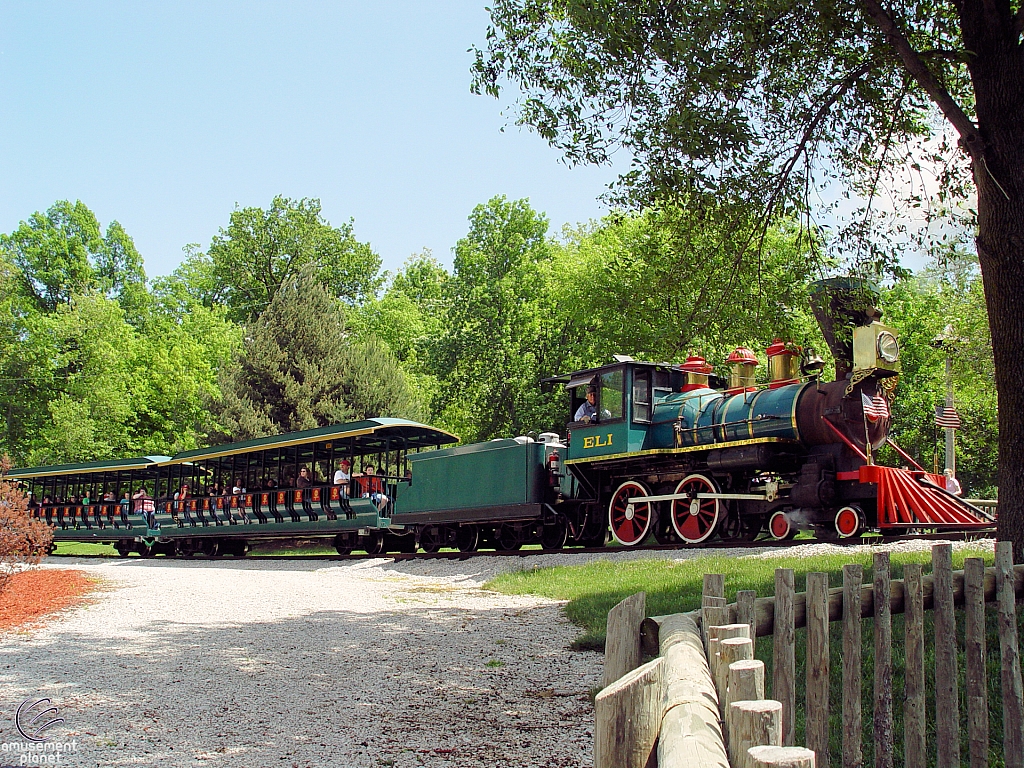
{"points": [[30, 595]]}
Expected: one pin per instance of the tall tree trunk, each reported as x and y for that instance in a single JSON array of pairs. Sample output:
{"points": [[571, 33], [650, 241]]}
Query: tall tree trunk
{"points": [[997, 70]]}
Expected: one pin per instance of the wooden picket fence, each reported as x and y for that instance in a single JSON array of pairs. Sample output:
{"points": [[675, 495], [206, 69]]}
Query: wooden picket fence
{"points": [[701, 700]]}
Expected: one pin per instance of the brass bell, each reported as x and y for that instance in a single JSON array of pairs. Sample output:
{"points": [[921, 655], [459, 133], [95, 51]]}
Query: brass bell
{"points": [[812, 363]]}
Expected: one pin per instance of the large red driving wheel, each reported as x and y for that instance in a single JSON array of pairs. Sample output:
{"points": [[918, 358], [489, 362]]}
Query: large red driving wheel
{"points": [[693, 519], [630, 522]]}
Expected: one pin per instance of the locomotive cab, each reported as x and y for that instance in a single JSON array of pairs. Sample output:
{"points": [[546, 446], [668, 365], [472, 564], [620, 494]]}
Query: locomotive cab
{"points": [[624, 398]]}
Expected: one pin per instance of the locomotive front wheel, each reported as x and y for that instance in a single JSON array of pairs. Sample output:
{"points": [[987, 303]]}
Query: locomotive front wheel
{"points": [[693, 519], [849, 522], [467, 538], [630, 521], [780, 528]]}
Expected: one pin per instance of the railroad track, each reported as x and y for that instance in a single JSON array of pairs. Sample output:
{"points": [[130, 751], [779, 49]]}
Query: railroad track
{"points": [[757, 544]]}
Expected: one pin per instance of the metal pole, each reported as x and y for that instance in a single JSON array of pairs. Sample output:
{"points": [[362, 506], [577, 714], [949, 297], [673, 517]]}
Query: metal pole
{"points": [[950, 448]]}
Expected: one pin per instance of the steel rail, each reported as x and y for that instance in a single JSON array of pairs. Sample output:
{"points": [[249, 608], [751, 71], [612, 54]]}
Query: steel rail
{"points": [[735, 544]]}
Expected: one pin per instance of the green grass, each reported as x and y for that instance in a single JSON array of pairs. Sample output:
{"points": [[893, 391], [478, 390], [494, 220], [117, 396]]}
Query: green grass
{"points": [[80, 548], [675, 586]]}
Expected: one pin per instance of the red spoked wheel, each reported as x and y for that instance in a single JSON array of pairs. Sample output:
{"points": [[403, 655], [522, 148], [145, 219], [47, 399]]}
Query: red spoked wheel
{"points": [[693, 519], [849, 522], [630, 522], [780, 528]]}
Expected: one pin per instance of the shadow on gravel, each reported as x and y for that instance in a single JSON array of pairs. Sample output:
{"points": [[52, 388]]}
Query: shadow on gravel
{"points": [[431, 685]]}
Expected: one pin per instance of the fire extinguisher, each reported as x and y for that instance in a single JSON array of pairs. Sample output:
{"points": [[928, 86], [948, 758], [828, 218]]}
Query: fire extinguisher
{"points": [[553, 467]]}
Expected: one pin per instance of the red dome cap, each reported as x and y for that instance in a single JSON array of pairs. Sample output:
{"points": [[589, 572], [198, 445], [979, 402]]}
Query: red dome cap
{"points": [[778, 347], [742, 355], [696, 364]]}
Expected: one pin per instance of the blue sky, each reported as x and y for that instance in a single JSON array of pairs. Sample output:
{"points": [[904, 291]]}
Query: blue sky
{"points": [[165, 116]]}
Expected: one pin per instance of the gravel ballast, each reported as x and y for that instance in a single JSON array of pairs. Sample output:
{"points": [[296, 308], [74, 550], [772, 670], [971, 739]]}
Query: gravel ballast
{"points": [[305, 663]]}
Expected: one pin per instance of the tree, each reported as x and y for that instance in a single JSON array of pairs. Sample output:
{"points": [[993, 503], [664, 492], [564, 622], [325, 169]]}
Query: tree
{"points": [[921, 307], [495, 348], [410, 313], [755, 102], [300, 368], [651, 285], [63, 253], [262, 249]]}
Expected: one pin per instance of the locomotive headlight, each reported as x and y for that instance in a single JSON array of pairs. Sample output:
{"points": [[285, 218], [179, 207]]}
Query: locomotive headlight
{"points": [[888, 347]]}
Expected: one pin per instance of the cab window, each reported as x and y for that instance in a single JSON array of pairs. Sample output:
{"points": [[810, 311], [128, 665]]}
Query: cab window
{"points": [[641, 395], [610, 402]]}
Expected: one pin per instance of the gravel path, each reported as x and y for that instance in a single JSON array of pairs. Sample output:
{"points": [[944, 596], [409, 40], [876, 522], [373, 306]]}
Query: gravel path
{"points": [[276, 663], [282, 663]]}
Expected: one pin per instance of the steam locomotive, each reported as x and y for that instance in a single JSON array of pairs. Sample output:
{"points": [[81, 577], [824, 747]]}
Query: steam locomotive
{"points": [[660, 451]]}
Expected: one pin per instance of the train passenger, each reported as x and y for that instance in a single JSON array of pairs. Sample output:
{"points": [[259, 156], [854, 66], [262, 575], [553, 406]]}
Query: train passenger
{"points": [[142, 504], [183, 493], [236, 487], [303, 480], [342, 477], [372, 486], [952, 484]]}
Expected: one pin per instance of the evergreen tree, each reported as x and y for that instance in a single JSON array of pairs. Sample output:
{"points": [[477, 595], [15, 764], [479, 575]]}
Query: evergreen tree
{"points": [[300, 368]]}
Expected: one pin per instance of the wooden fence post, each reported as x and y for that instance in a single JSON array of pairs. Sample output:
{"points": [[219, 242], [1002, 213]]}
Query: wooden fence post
{"points": [[974, 640], [853, 580], [730, 650], [883, 662], [752, 724], [714, 613], [745, 612], [622, 652], [627, 717], [746, 681], [1013, 696], [714, 585], [914, 738], [816, 708], [781, 757], [784, 652], [947, 707], [719, 671]]}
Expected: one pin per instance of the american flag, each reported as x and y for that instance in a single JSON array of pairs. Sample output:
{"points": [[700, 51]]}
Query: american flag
{"points": [[875, 408], [946, 417]]}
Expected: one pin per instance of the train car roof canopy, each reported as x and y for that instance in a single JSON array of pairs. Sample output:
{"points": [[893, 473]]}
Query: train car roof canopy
{"points": [[108, 469], [367, 436]]}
